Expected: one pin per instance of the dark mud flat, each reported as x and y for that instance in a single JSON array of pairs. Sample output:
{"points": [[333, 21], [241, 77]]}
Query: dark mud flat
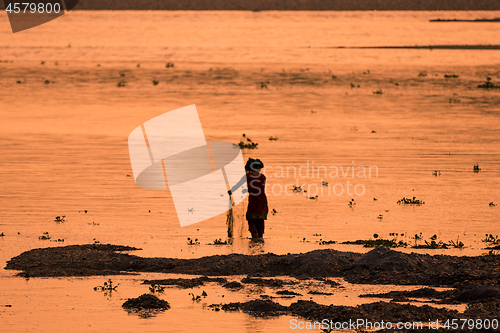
{"points": [[187, 283], [313, 311], [379, 266], [475, 279]]}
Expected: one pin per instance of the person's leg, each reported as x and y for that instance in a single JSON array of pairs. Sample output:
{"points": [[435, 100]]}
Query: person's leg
{"points": [[260, 228], [252, 227]]}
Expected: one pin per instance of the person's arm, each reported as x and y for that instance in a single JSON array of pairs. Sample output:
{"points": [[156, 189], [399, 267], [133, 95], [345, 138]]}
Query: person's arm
{"points": [[242, 181]]}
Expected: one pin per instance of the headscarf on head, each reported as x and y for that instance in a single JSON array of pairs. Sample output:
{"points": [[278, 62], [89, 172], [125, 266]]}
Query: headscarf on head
{"points": [[253, 165]]}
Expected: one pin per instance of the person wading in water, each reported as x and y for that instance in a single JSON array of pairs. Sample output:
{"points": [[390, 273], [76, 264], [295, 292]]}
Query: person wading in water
{"points": [[257, 199]]}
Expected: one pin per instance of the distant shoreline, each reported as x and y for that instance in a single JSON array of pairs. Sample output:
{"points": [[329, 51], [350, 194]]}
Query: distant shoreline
{"points": [[476, 20], [430, 47]]}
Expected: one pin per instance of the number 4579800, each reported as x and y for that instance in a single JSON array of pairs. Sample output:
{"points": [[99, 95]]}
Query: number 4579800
{"points": [[32, 7]]}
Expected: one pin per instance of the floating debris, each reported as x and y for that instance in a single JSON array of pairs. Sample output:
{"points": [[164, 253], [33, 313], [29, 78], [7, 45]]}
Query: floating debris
{"points": [[169, 65], [107, 286], [407, 201], [323, 183], [45, 236], [492, 204], [247, 143], [313, 198], [274, 211], [488, 84], [191, 242], [121, 84], [436, 173], [378, 92], [450, 76], [155, 82], [219, 241], [422, 74], [60, 219], [297, 189], [273, 138], [351, 204]]}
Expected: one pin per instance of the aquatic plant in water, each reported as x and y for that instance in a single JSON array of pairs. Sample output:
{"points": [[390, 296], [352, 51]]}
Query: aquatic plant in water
{"points": [[491, 240], [488, 84], [407, 201], [219, 241], [197, 298], [107, 286], [60, 219], [156, 288], [458, 244], [45, 236], [325, 242], [191, 242], [247, 143]]}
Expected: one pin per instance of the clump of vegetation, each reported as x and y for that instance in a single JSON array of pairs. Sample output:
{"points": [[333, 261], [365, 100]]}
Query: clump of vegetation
{"points": [[107, 286], [45, 236], [247, 143], [60, 240], [60, 219], [450, 76], [191, 242], [491, 240], [156, 288], [488, 84], [219, 241], [197, 298], [169, 65], [454, 100], [422, 74], [325, 242], [458, 244], [155, 82], [121, 84], [492, 253], [378, 92], [431, 244], [413, 201], [391, 243], [476, 168]]}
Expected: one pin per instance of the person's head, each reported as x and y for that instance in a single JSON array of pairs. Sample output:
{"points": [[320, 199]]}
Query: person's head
{"points": [[254, 165]]}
